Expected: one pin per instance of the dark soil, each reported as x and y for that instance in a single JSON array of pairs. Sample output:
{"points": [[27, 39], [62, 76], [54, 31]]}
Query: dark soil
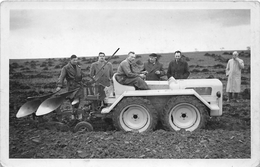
{"points": [[227, 136]]}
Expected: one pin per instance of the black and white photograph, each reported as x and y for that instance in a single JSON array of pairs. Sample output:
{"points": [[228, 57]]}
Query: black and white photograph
{"points": [[123, 83]]}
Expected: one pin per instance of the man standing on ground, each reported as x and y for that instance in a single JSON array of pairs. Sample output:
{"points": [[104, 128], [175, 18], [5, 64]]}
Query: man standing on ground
{"points": [[73, 74], [153, 68], [233, 72], [178, 68], [126, 75]]}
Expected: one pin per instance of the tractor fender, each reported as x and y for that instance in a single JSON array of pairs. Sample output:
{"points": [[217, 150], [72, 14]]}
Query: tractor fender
{"points": [[162, 92]]}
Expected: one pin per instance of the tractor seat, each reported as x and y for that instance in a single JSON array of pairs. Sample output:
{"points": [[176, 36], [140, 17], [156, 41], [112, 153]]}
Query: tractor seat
{"points": [[119, 88]]}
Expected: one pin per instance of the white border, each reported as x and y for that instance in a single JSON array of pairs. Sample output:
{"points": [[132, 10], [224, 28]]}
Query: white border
{"points": [[255, 105]]}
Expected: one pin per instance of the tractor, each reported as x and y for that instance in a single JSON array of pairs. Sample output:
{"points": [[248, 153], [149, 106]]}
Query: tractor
{"points": [[184, 104]]}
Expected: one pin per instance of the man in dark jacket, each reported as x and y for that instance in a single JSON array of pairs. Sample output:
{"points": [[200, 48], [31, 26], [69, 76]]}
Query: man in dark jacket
{"points": [[73, 74], [153, 68], [178, 68]]}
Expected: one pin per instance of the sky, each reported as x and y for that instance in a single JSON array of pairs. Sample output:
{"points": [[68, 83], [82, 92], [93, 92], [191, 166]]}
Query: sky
{"points": [[53, 33]]}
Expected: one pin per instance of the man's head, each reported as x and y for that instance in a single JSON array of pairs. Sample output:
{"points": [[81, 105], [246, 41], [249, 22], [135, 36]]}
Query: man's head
{"points": [[131, 56], [153, 57], [235, 54], [101, 57], [73, 59], [177, 55]]}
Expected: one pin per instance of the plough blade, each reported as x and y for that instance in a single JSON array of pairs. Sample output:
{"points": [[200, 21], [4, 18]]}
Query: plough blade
{"points": [[52, 103], [28, 108], [31, 106]]}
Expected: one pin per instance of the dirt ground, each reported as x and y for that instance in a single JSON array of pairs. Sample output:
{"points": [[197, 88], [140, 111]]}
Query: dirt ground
{"points": [[225, 137]]}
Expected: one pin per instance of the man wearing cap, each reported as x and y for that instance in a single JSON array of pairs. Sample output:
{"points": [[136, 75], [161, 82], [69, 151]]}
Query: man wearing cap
{"points": [[126, 75], [153, 68], [233, 72], [73, 74], [178, 68]]}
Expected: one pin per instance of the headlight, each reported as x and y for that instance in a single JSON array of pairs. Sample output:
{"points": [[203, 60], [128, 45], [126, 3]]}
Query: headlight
{"points": [[218, 94]]}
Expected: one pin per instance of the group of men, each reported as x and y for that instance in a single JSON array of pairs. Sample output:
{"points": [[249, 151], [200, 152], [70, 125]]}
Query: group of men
{"points": [[178, 68]]}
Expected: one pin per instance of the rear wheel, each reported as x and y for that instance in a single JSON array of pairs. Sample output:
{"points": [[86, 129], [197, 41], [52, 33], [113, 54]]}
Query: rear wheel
{"points": [[184, 112], [135, 114]]}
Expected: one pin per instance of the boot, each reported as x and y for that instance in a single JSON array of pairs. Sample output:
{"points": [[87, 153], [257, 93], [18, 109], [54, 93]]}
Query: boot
{"points": [[229, 97], [236, 97]]}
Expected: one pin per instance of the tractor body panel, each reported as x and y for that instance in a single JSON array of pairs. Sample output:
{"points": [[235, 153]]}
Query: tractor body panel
{"points": [[205, 90]]}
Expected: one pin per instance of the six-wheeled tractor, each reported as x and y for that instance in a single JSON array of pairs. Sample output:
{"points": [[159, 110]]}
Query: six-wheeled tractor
{"points": [[178, 104]]}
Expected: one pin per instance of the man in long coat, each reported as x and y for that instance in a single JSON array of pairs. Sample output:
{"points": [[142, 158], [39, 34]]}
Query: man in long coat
{"points": [[233, 71], [153, 68], [102, 72], [178, 68], [126, 75]]}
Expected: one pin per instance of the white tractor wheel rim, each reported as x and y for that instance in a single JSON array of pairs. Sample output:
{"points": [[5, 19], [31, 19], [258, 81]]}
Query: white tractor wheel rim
{"points": [[184, 116], [134, 117]]}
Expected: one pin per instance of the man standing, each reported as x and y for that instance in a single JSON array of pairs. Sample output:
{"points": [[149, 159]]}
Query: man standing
{"points": [[153, 68], [102, 73], [73, 74], [233, 72], [126, 75], [178, 68]]}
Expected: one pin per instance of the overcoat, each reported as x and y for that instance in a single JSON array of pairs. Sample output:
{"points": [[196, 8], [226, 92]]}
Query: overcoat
{"points": [[178, 70], [103, 75], [73, 76], [151, 68], [233, 71]]}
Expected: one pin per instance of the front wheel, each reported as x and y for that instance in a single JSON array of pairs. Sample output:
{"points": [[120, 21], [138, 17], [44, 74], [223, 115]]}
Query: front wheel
{"points": [[184, 112], [135, 114]]}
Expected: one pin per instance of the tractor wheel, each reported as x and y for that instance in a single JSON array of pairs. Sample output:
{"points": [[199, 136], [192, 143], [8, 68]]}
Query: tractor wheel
{"points": [[135, 114], [83, 126], [184, 112]]}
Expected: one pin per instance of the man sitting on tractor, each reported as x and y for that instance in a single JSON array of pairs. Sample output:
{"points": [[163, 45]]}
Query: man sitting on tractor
{"points": [[126, 75]]}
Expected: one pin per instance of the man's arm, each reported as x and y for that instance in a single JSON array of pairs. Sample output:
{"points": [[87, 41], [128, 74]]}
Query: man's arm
{"points": [[61, 77], [162, 72], [127, 70], [92, 70], [186, 71], [110, 70], [240, 63], [169, 71], [228, 68]]}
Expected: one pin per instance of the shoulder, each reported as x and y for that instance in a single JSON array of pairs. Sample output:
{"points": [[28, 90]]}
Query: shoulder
{"points": [[94, 64], [230, 60], [124, 62], [172, 62], [66, 66]]}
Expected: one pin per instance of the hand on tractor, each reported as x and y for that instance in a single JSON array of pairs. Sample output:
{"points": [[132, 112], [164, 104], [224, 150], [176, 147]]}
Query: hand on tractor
{"points": [[58, 89]]}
